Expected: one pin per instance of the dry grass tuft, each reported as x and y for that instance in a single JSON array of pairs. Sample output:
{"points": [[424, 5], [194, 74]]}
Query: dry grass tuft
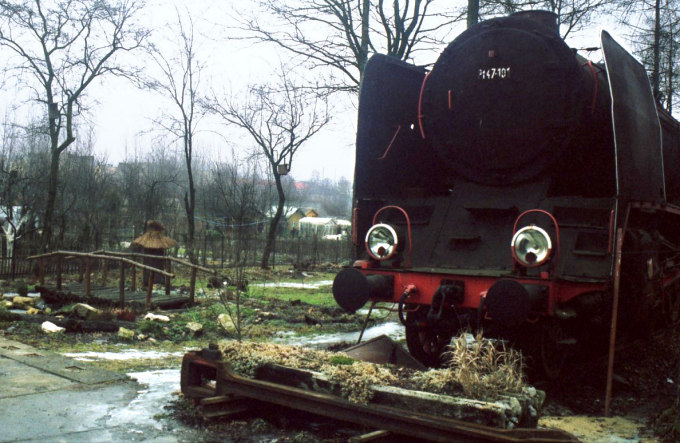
{"points": [[481, 369], [354, 378], [484, 368]]}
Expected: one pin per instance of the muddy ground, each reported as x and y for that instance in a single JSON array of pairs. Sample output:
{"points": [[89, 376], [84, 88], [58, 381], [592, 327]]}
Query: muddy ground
{"points": [[293, 308]]}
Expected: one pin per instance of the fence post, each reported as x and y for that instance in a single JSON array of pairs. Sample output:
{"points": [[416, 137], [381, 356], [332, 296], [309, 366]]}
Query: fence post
{"points": [[149, 289], [59, 271], [88, 266], [168, 267], [41, 271], [81, 271], [192, 286], [133, 277], [121, 285], [105, 271]]}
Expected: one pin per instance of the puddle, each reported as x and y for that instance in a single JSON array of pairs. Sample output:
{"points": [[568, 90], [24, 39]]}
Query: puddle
{"points": [[393, 330], [129, 354], [156, 392], [294, 285]]}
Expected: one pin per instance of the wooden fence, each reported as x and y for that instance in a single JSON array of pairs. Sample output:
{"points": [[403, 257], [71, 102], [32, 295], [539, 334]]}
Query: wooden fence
{"points": [[221, 253]]}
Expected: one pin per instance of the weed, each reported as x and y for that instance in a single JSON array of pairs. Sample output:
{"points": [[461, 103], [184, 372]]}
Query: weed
{"points": [[22, 289], [162, 331], [5, 315], [339, 360], [484, 368]]}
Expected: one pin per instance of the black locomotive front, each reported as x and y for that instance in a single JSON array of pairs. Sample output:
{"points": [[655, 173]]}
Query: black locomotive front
{"points": [[487, 192]]}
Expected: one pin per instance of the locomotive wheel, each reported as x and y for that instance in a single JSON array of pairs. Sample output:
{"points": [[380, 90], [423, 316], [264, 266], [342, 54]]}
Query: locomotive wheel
{"points": [[553, 353], [426, 343]]}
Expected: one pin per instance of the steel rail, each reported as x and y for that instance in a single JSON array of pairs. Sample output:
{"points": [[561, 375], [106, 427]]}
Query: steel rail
{"points": [[396, 420]]}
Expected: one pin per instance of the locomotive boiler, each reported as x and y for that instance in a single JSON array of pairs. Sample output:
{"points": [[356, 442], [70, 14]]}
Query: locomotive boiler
{"points": [[496, 191]]}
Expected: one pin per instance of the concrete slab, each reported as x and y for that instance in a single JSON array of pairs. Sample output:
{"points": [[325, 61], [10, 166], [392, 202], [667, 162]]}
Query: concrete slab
{"points": [[45, 397], [58, 415], [18, 379], [56, 364]]}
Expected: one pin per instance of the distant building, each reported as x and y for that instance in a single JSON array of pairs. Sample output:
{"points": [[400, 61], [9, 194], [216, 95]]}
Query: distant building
{"points": [[324, 227], [298, 214]]}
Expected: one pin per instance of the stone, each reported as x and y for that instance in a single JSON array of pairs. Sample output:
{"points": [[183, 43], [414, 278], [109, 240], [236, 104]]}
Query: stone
{"points": [[226, 322], [126, 333], [51, 328], [194, 328], [7, 304], [24, 302], [153, 317], [85, 311]]}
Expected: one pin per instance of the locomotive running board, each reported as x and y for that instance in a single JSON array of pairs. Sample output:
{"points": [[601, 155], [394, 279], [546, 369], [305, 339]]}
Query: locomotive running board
{"points": [[203, 379]]}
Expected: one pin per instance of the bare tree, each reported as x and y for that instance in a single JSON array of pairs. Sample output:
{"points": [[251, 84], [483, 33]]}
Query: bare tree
{"points": [[572, 15], [14, 214], [238, 201], [149, 187], [654, 31], [341, 34], [23, 167], [279, 119], [179, 81], [59, 49]]}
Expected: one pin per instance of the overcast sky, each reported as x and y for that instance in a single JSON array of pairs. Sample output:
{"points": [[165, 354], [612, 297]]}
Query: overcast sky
{"points": [[122, 118], [124, 114]]}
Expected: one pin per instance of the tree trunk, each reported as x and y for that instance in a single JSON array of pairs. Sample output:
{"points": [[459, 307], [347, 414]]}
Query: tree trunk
{"points": [[365, 30], [51, 200], [473, 13], [656, 69], [190, 199], [273, 225]]}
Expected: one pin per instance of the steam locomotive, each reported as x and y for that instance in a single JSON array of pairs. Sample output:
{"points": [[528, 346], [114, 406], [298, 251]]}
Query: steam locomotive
{"points": [[516, 188]]}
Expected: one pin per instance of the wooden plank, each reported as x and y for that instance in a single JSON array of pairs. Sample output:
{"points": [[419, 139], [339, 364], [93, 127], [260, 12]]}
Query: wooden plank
{"points": [[226, 406]]}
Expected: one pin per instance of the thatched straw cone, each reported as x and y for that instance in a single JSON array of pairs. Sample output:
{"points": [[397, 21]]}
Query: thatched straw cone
{"points": [[153, 237]]}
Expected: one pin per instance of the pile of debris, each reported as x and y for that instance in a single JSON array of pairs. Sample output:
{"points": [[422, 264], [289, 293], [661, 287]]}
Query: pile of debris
{"points": [[435, 391], [29, 303], [60, 317]]}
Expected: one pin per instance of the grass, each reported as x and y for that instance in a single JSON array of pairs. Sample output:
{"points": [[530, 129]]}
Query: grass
{"points": [[484, 368], [267, 311], [315, 296]]}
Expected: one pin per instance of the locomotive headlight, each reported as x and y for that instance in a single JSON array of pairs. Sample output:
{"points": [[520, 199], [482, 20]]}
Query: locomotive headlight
{"points": [[531, 246], [382, 242]]}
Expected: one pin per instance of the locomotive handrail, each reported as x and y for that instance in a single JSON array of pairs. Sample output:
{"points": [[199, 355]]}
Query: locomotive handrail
{"points": [[420, 106], [408, 228], [557, 232], [394, 137]]}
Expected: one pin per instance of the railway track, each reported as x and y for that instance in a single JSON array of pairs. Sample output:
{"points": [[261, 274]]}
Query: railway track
{"points": [[219, 392]]}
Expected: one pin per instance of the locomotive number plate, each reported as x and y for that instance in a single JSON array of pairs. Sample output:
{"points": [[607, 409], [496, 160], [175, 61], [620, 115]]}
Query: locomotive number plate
{"points": [[494, 73]]}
